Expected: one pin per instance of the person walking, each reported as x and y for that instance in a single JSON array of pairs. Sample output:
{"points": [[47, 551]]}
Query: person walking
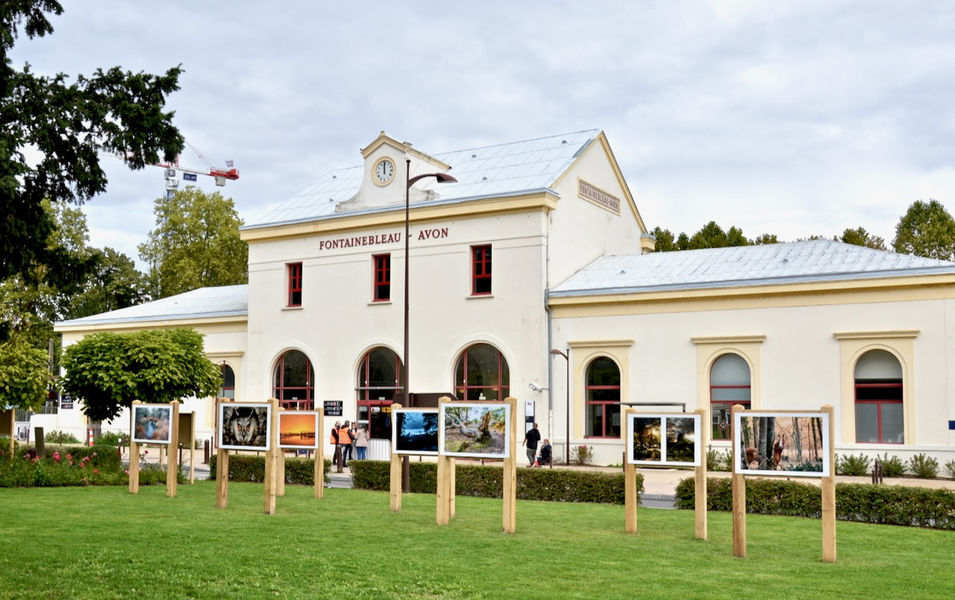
{"points": [[531, 438], [361, 442]]}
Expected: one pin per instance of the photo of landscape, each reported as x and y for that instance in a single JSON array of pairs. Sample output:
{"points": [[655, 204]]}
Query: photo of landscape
{"points": [[475, 429], [782, 444], [415, 431], [151, 423], [298, 429], [646, 442], [681, 440]]}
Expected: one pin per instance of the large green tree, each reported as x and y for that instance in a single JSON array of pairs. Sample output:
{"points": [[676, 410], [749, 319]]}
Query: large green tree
{"points": [[112, 283], [195, 243], [66, 125], [107, 370], [926, 229]]}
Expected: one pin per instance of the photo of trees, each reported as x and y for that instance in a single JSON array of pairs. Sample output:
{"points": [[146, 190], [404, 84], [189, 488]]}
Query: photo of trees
{"points": [[663, 439], [472, 429], [151, 423], [298, 429], [791, 443], [416, 431]]}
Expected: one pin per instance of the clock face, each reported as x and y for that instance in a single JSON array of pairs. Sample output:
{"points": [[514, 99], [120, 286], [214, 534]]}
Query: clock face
{"points": [[384, 171]]}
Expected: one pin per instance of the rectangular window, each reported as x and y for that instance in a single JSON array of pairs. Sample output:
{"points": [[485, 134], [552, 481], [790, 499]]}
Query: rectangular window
{"points": [[294, 284], [382, 277], [481, 270]]}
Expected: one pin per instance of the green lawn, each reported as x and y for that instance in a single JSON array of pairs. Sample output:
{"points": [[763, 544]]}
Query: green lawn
{"points": [[101, 542]]}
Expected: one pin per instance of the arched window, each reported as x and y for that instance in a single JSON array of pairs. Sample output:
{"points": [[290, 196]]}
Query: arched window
{"points": [[729, 385], [878, 395], [379, 383], [603, 398], [481, 374], [227, 389], [293, 384]]}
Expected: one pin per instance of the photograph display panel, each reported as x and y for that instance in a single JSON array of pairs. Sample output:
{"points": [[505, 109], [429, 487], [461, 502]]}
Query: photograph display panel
{"points": [[298, 430], [664, 439], [244, 425], [414, 431], [475, 429], [792, 444], [152, 423]]}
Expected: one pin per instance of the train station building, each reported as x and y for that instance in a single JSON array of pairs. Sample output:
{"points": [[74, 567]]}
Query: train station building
{"points": [[532, 275]]}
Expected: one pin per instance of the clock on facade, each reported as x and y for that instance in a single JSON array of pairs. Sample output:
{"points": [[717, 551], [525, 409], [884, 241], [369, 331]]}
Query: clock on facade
{"points": [[384, 171]]}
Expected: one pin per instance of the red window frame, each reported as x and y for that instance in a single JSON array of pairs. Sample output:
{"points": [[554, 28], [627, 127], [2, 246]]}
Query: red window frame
{"points": [[481, 270], [294, 284], [879, 403], [280, 386], [602, 405], [382, 282], [497, 388]]}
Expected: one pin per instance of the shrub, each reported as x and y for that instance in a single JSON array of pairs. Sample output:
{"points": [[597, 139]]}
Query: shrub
{"points": [[110, 438], [868, 503], [856, 466], [719, 460], [247, 467], [923, 467], [64, 466], [60, 437], [582, 455], [950, 467], [892, 467], [556, 485]]}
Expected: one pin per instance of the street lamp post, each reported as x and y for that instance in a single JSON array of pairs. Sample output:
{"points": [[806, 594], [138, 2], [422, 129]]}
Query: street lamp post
{"points": [[409, 181], [567, 414]]}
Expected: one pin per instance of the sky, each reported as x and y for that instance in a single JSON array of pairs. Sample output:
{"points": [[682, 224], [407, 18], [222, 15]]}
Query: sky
{"points": [[795, 118]]}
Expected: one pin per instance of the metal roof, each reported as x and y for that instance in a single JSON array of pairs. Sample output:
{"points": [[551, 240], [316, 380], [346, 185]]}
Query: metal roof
{"points": [[484, 172], [224, 301], [813, 260]]}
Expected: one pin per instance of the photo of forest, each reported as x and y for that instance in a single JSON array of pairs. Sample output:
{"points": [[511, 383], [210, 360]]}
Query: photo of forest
{"points": [[663, 439], [681, 439], [298, 429], [647, 444], [795, 444], [416, 431], [151, 424], [472, 429]]}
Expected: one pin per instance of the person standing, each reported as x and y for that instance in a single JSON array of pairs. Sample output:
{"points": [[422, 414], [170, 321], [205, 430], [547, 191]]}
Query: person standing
{"points": [[344, 442], [361, 442], [531, 438], [337, 457]]}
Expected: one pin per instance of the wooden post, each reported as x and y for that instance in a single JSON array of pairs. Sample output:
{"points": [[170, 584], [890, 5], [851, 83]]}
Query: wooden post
{"points": [[829, 495], [133, 453], [630, 499], [320, 457], [222, 466], [271, 460], [172, 460], [510, 472], [700, 487], [739, 497], [395, 474], [443, 507]]}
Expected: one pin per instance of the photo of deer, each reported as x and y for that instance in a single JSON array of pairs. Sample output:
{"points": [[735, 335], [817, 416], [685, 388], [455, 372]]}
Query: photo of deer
{"points": [[782, 443], [480, 430]]}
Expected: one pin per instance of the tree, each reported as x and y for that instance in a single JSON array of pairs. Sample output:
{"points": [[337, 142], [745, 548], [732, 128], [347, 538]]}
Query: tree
{"points": [[926, 229], [114, 283], [67, 125], [24, 374], [664, 240], [766, 238], [195, 243], [860, 237], [109, 370], [713, 236]]}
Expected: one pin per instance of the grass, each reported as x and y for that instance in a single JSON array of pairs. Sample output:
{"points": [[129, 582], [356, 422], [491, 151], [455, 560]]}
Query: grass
{"points": [[101, 542]]}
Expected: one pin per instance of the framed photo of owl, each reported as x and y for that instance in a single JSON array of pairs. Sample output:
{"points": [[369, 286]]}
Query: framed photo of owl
{"points": [[151, 423], [245, 426]]}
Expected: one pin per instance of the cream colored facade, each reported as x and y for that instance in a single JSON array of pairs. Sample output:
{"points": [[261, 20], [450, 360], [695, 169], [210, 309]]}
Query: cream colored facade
{"points": [[800, 336]]}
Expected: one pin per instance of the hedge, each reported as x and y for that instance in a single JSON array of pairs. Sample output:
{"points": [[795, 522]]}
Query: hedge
{"points": [[862, 502], [556, 485], [249, 467]]}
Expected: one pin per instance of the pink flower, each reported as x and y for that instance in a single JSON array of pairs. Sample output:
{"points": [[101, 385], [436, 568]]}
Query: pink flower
{"points": [[94, 454], [71, 463], [69, 457], [56, 456], [95, 470], [126, 471]]}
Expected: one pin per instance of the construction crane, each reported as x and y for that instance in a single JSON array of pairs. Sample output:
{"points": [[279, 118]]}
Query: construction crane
{"points": [[173, 169]]}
